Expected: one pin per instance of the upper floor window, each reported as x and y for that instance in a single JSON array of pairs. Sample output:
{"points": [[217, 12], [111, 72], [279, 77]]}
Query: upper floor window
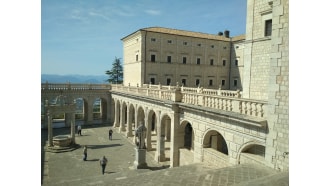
{"points": [[185, 43], [169, 41], [211, 61], [210, 82], [153, 39], [198, 62], [224, 62], [152, 81], [223, 82], [169, 59], [235, 82], [268, 27], [153, 57], [199, 44], [236, 62], [183, 81], [197, 82], [168, 81], [212, 46], [136, 57], [184, 60]]}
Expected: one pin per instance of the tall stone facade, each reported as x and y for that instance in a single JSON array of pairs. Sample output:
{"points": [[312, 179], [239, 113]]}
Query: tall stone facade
{"points": [[256, 63], [166, 56]]}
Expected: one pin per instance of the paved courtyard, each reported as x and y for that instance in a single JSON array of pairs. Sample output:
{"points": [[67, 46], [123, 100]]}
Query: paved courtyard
{"points": [[68, 168]]}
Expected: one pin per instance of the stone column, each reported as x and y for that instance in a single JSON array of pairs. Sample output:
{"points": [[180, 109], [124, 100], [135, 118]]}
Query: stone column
{"points": [[167, 129], [160, 149], [73, 126], [174, 153], [115, 123], [129, 123], [136, 121], [50, 129], [109, 109], [90, 111], [148, 124], [122, 118]]}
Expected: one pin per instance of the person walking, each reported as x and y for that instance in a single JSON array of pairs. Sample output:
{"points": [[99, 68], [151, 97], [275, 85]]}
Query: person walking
{"points": [[85, 153], [110, 134], [79, 130], [103, 163]]}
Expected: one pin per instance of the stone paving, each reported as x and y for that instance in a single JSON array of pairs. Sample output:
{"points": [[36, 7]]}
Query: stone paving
{"points": [[68, 168]]}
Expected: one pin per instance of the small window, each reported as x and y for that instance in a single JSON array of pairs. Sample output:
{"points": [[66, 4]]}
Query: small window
{"points": [[223, 82], [185, 43], [212, 46], [236, 62], [183, 81], [152, 81], [197, 82], [169, 41], [184, 60], [168, 81], [153, 58], [268, 27], [153, 39], [210, 82], [169, 59], [199, 44], [224, 62], [198, 62], [136, 57], [225, 48], [211, 62], [235, 82]]}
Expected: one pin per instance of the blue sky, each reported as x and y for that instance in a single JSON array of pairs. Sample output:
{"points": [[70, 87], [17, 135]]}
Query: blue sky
{"points": [[83, 36]]}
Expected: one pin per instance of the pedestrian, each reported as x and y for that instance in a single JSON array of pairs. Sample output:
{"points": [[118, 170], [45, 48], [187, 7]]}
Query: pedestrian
{"points": [[103, 163], [110, 134], [79, 130], [85, 153]]}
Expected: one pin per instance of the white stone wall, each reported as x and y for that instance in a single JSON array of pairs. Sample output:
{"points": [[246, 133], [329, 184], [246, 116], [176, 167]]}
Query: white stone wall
{"points": [[278, 120]]}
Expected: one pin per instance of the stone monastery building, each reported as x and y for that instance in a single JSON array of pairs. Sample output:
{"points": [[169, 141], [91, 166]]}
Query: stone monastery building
{"points": [[256, 63]]}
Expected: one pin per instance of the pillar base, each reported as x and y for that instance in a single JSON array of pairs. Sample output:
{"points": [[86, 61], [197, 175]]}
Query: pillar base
{"points": [[140, 159]]}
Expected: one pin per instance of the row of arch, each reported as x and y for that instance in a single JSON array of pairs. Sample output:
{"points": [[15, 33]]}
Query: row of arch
{"points": [[166, 134]]}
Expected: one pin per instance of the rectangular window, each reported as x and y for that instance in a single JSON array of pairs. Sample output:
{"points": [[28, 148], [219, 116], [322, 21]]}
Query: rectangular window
{"points": [[211, 62], [224, 62], [169, 41], [235, 82], [210, 82], [268, 27], [185, 43], [236, 62], [152, 81], [212, 46], [169, 58], [198, 62], [199, 44], [137, 57], [183, 81], [153, 39], [223, 82], [197, 82], [168, 81], [184, 60], [153, 58]]}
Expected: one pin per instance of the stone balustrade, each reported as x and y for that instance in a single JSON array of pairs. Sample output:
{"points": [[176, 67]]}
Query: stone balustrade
{"points": [[216, 99], [69, 86]]}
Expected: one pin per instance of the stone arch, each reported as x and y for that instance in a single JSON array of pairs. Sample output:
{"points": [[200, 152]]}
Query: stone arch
{"points": [[151, 129], [140, 115], [130, 119], [165, 134], [251, 152], [123, 115], [215, 149], [186, 134]]}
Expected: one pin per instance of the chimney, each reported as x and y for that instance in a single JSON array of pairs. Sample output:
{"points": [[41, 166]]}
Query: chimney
{"points": [[220, 33], [226, 33]]}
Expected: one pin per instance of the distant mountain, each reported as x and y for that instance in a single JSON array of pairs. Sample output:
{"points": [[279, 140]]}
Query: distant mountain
{"points": [[53, 78]]}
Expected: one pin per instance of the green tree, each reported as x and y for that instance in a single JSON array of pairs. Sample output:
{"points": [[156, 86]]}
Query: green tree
{"points": [[116, 73]]}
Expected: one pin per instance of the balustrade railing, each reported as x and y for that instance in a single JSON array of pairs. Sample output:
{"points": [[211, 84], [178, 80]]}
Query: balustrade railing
{"points": [[69, 86], [216, 99]]}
